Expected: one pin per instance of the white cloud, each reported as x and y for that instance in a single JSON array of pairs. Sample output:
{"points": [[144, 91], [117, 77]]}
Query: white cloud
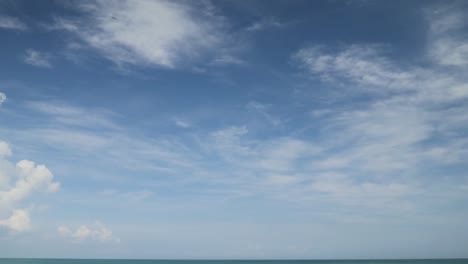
{"points": [[19, 221], [98, 232], [182, 123], [64, 231], [281, 180], [264, 23], [5, 150], [227, 59], [263, 110], [132, 196], [152, 33], [375, 137], [228, 142], [346, 190], [447, 44], [36, 58], [82, 232], [410, 123], [75, 116], [283, 154], [8, 22], [3, 98], [361, 64], [28, 178]]}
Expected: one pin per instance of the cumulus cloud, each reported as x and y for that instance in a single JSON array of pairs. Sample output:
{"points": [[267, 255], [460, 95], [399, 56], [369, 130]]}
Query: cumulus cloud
{"points": [[2, 98], [19, 221], [16, 184], [37, 58], [97, 232], [151, 33], [13, 23]]}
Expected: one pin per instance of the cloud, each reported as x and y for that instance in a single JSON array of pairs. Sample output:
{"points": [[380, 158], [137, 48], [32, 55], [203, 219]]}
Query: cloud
{"points": [[369, 142], [376, 133], [228, 142], [75, 129], [67, 114], [3, 98], [281, 180], [147, 33], [447, 44], [5, 150], [264, 24], [262, 110], [36, 58], [132, 196], [29, 179], [283, 154], [181, 123], [97, 232], [19, 221], [227, 59], [344, 189], [361, 64], [13, 23], [378, 152]]}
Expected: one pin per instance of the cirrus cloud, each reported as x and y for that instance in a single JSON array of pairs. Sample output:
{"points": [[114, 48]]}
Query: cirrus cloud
{"points": [[98, 232], [149, 33], [13, 23], [37, 59], [3, 98]]}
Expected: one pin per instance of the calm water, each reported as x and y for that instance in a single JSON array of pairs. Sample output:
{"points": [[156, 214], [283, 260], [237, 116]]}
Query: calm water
{"points": [[92, 261]]}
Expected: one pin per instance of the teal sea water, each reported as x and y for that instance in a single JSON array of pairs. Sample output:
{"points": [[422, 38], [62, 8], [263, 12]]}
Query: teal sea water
{"points": [[126, 261]]}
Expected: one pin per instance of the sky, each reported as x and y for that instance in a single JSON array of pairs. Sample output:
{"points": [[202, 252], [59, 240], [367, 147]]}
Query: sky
{"points": [[234, 129]]}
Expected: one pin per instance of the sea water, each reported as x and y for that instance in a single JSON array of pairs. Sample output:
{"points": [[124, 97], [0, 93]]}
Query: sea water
{"points": [[128, 261]]}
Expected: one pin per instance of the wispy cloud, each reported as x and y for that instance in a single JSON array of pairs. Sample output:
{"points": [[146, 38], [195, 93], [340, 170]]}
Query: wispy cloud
{"points": [[182, 123], [227, 59], [3, 98], [361, 64], [66, 114], [265, 23], [92, 131], [256, 108], [360, 155], [37, 58], [98, 232], [13, 23], [374, 147], [447, 46], [147, 33], [137, 196]]}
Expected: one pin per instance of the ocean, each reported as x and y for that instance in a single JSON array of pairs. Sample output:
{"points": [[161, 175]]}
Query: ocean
{"points": [[128, 261]]}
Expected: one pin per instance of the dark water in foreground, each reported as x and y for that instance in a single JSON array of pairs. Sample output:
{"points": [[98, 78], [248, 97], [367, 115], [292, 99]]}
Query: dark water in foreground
{"points": [[117, 261]]}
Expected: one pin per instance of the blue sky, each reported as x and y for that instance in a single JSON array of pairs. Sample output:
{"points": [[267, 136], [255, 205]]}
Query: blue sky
{"points": [[233, 129]]}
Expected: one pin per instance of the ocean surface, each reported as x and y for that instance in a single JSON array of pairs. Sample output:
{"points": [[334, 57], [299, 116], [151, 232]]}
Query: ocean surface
{"points": [[127, 261]]}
